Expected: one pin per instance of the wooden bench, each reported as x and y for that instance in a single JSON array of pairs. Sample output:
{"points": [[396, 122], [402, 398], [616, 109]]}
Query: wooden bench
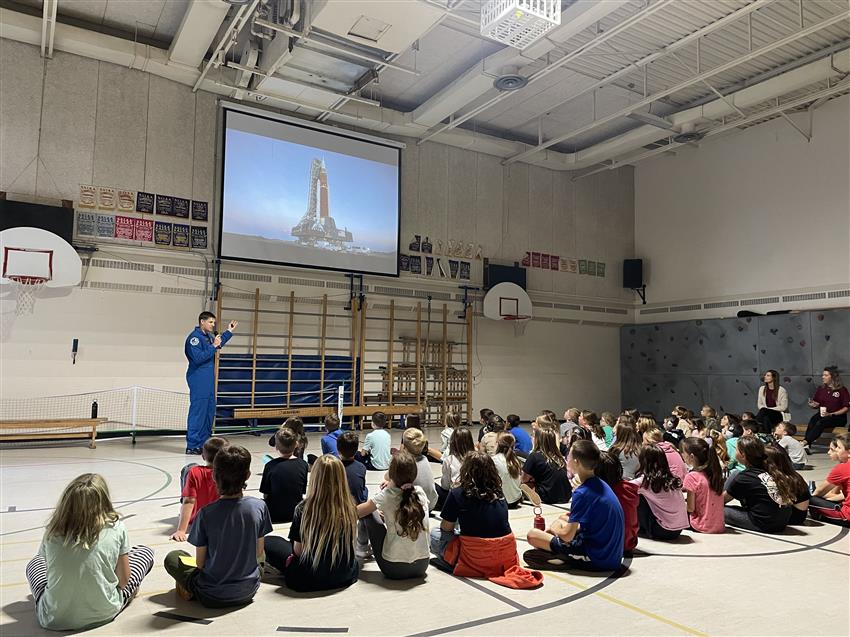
{"points": [[309, 412], [59, 424], [801, 432]]}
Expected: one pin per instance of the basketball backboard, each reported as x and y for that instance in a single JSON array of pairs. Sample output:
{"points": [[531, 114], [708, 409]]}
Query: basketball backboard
{"points": [[38, 253], [507, 300]]}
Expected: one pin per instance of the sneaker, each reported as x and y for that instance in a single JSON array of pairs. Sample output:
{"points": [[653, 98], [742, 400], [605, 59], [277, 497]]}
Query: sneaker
{"points": [[193, 452], [812, 486], [541, 560], [531, 494], [183, 593]]}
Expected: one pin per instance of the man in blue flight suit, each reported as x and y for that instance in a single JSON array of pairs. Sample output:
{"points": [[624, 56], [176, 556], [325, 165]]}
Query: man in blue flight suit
{"points": [[200, 349]]}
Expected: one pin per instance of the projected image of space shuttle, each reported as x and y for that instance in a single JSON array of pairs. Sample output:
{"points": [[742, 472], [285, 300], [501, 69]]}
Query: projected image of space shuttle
{"points": [[317, 227]]}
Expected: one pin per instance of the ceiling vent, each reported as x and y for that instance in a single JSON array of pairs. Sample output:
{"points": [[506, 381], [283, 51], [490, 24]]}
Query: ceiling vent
{"points": [[688, 135], [367, 28], [510, 82]]}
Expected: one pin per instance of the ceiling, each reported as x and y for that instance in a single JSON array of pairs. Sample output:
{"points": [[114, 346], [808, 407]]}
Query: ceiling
{"points": [[592, 82]]}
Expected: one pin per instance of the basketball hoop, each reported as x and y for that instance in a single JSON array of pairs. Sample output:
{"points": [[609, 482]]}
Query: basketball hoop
{"points": [[519, 322], [25, 289]]}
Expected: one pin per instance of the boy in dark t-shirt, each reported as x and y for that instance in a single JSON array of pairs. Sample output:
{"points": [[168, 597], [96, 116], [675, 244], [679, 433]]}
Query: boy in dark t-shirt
{"points": [[355, 473], [284, 481], [590, 536]]}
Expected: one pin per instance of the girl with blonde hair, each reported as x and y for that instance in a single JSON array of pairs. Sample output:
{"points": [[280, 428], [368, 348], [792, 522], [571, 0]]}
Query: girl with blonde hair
{"points": [[85, 572], [321, 538]]}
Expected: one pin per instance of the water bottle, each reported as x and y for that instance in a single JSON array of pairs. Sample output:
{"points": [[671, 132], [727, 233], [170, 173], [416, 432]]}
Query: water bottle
{"points": [[539, 521], [94, 409]]}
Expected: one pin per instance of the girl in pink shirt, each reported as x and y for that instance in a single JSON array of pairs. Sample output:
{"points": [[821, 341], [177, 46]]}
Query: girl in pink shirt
{"points": [[703, 486], [661, 509]]}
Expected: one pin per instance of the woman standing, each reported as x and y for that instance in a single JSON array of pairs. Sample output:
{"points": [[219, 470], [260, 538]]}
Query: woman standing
{"points": [[832, 400], [772, 402]]}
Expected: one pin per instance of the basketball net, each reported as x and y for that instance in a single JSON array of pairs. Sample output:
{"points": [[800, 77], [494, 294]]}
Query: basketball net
{"points": [[25, 288], [519, 323]]}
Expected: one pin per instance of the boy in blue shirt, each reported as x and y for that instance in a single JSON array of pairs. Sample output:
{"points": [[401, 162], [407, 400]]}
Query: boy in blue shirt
{"points": [[376, 453], [523, 440], [590, 536]]}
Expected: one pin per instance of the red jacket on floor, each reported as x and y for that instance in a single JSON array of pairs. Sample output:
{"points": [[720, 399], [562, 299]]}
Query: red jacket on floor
{"points": [[627, 494], [492, 558]]}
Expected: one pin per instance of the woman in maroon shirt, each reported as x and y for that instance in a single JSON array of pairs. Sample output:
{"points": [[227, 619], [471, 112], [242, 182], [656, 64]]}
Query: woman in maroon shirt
{"points": [[832, 400]]}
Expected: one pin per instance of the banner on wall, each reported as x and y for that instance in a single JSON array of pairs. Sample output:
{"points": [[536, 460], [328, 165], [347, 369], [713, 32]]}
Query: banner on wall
{"points": [[582, 266], [429, 265], [403, 262], [106, 198], [600, 269], [199, 238], [200, 210], [106, 226], [88, 197], [544, 261], [454, 267], [143, 229], [415, 264], [86, 224], [535, 259], [145, 202], [464, 270], [526, 260], [180, 237], [591, 268], [180, 207], [126, 200], [162, 233], [164, 205], [124, 227], [554, 262]]}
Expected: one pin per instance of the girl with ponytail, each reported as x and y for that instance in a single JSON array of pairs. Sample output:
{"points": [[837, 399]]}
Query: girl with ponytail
{"points": [[703, 486], [400, 540], [765, 493]]}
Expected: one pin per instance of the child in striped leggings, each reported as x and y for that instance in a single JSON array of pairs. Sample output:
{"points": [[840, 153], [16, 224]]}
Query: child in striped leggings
{"points": [[85, 572]]}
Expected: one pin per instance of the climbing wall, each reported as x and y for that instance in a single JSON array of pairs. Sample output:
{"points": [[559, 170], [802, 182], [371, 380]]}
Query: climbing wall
{"points": [[720, 361]]}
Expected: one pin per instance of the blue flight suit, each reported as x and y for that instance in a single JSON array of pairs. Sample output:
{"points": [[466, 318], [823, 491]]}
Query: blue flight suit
{"points": [[200, 352]]}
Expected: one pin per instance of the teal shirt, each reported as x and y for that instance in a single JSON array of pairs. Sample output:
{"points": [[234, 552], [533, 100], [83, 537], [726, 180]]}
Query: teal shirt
{"points": [[609, 435], [82, 587], [377, 444], [731, 448]]}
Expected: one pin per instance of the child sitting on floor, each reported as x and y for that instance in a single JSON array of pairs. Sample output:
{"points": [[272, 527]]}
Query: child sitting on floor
{"points": [[523, 440], [674, 459], [626, 448], [704, 486], [590, 536], [590, 421], [509, 467], [399, 535], [297, 425], [322, 535], [461, 444], [607, 421], [328, 442], [197, 487], [85, 572], [784, 433], [544, 474], [450, 423], [495, 426], [355, 476], [800, 506], [376, 448], [228, 538], [610, 471], [662, 513], [284, 481], [830, 500], [764, 492], [413, 441]]}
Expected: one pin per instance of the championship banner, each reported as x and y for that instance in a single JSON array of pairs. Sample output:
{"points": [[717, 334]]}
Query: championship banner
{"points": [[416, 264], [403, 263], [526, 260], [86, 224], [199, 237], [143, 229], [544, 261], [162, 233], [88, 197], [200, 210], [106, 198], [464, 270], [106, 226], [181, 236], [124, 227], [126, 200], [535, 259], [164, 205], [591, 268], [454, 266], [600, 269], [573, 265], [145, 202], [582, 266], [554, 262], [429, 265], [181, 207]]}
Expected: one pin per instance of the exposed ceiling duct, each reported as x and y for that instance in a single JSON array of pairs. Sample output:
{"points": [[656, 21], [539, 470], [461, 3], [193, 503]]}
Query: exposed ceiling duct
{"points": [[200, 24]]}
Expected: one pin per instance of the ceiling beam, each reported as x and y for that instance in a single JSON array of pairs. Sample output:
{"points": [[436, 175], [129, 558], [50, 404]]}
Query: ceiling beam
{"points": [[200, 23]]}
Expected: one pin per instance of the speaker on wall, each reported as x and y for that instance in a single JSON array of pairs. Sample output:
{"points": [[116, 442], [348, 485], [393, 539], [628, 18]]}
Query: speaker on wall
{"points": [[633, 273]]}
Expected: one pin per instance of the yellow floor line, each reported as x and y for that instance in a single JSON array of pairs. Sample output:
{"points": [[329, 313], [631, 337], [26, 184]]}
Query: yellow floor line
{"points": [[632, 607]]}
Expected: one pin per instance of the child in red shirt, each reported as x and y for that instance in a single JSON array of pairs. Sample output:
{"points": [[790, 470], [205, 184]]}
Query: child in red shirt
{"points": [[610, 471], [197, 487], [826, 502]]}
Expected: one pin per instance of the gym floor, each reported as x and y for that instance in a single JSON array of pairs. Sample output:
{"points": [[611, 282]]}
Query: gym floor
{"points": [[738, 583]]}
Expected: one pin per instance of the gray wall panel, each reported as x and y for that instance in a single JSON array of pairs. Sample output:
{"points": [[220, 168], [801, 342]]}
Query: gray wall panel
{"points": [[721, 361]]}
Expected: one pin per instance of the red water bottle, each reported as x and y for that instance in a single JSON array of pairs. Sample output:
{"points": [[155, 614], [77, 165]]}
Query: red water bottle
{"points": [[539, 521]]}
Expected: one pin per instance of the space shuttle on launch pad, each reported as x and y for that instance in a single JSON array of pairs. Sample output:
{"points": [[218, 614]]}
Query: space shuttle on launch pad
{"points": [[317, 228]]}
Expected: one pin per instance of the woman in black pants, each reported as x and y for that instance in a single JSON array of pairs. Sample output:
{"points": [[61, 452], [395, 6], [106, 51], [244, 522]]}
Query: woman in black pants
{"points": [[772, 402], [832, 400]]}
